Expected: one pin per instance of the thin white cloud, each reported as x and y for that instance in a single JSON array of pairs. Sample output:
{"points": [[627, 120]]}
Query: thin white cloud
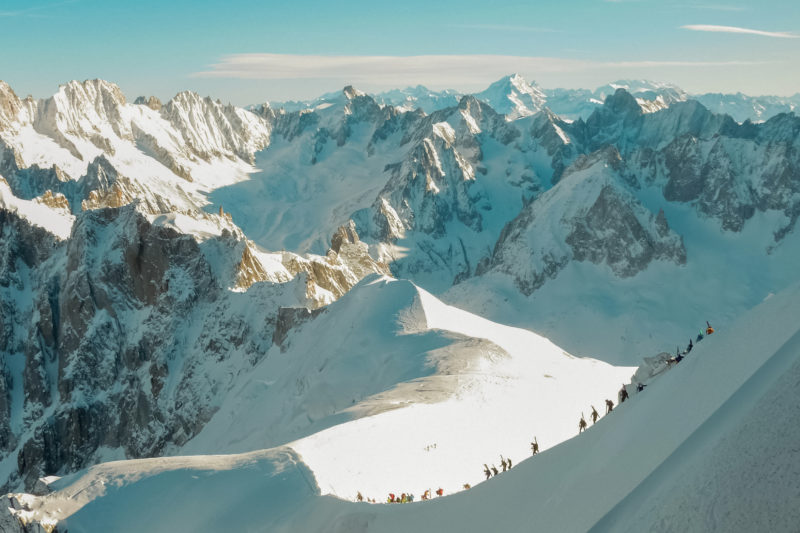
{"points": [[433, 70], [735, 29]]}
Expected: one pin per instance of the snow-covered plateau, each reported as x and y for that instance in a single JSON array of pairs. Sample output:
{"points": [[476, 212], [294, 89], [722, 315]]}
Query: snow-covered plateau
{"points": [[217, 318]]}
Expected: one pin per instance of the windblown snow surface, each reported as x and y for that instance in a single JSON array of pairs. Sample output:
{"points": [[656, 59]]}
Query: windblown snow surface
{"points": [[708, 445]]}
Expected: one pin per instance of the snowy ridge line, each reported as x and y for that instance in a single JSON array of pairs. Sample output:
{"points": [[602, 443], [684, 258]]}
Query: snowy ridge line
{"points": [[649, 493], [485, 375]]}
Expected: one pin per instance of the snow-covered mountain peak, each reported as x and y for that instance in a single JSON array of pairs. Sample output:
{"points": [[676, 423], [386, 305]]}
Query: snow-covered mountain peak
{"points": [[622, 103], [513, 96], [92, 109], [351, 92], [419, 97], [639, 86], [10, 105]]}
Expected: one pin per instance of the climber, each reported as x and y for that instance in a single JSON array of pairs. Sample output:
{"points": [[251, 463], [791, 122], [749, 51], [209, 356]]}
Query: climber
{"points": [[609, 406], [439, 491], [689, 348], [678, 355], [391, 498], [581, 424], [509, 463], [623, 394], [640, 387], [467, 486], [487, 471], [426, 495], [503, 463], [709, 329], [410, 498], [494, 469], [699, 336], [594, 415], [359, 497], [534, 446]]}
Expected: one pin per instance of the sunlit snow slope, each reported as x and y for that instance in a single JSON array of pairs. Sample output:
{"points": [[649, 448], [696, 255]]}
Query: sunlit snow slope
{"points": [[655, 454], [470, 390]]}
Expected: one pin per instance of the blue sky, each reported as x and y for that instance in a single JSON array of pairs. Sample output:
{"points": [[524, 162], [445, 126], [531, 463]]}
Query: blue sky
{"points": [[245, 52]]}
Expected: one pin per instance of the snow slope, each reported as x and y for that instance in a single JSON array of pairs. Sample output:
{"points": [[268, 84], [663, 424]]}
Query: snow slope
{"points": [[58, 222], [645, 448], [388, 344]]}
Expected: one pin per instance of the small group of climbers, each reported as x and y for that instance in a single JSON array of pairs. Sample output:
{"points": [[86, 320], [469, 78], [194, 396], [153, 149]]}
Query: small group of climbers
{"points": [[408, 497], [427, 494], [403, 498], [623, 393], [361, 498], [504, 463], [594, 416], [679, 355]]}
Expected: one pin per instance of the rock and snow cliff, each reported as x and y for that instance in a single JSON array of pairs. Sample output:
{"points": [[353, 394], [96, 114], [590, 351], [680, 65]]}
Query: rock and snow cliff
{"points": [[118, 289]]}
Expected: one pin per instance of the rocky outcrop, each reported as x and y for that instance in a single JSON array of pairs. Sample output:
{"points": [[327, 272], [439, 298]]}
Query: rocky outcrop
{"points": [[152, 102], [211, 129], [590, 215]]}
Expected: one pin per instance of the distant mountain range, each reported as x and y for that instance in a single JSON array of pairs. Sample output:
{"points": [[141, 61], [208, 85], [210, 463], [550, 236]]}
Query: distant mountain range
{"points": [[515, 97]]}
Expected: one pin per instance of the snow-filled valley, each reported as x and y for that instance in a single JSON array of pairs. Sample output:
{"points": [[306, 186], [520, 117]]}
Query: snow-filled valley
{"points": [[217, 318]]}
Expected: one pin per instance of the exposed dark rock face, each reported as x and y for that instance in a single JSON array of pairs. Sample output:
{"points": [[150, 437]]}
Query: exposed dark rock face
{"points": [[610, 233], [607, 227], [124, 330], [152, 102]]}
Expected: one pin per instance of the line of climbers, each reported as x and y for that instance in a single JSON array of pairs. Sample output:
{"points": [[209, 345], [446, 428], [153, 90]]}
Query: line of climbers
{"points": [[408, 497], [506, 463], [679, 355], [623, 393]]}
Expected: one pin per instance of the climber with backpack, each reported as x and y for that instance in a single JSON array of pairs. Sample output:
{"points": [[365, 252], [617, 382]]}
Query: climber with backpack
{"points": [[534, 447]]}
